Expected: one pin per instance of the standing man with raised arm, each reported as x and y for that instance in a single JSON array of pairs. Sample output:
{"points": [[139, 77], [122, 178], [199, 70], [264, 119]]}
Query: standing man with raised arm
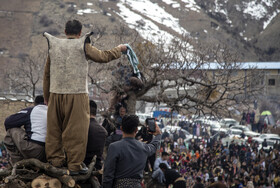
{"points": [[126, 159], [66, 93]]}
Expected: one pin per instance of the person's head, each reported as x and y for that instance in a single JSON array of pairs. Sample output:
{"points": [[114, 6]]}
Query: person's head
{"points": [[93, 108], [122, 111], [220, 178], [130, 124], [73, 27], [164, 156], [39, 100], [163, 166], [236, 180], [198, 179], [211, 180]]}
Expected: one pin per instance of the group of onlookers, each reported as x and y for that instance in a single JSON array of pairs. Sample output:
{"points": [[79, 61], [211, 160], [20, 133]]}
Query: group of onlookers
{"points": [[206, 162]]}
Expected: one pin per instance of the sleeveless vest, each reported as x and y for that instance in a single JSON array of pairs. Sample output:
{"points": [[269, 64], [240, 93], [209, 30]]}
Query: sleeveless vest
{"points": [[68, 65]]}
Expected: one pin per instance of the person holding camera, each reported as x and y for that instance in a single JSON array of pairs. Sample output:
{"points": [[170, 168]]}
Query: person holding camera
{"points": [[126, 159], [146, 136]]}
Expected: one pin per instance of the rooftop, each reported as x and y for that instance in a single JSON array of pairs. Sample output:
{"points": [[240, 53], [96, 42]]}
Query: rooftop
{"points": [[250, 65]]}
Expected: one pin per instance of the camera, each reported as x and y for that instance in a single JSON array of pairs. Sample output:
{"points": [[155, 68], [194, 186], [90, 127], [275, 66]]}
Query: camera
{"points": [[151, 122]]}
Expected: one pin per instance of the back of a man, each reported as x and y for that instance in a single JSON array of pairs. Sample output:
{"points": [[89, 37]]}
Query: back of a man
{"points": [[163, 159], [65, 87], [126, 159], [172, 177], [28, 142], [219, 183], [96, 138], [198, 183]]}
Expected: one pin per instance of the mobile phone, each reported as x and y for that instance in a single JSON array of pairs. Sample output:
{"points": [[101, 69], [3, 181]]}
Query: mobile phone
{"points": [[151, 122]]}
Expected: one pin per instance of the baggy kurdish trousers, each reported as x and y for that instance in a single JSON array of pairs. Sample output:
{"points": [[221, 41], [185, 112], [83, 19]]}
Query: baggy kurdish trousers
{"points": [[67, 129], [19, 148]]}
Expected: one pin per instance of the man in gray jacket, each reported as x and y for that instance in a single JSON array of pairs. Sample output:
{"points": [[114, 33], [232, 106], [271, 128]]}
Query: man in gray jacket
{"points": [[126, 159]]}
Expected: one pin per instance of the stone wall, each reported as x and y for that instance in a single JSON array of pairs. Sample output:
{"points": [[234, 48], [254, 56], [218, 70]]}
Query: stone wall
{"points": [[8, 107]]}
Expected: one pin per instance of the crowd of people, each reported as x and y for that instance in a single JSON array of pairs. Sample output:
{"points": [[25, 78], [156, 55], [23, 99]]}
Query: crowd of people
{"points": [[235, 165], [202, 162], [63, 123]]}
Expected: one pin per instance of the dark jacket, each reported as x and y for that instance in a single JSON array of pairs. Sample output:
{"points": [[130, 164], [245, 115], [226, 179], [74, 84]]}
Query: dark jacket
{"points": [[218, 184], [164, 135], [96, 141], [198, 185], [170, 176]]}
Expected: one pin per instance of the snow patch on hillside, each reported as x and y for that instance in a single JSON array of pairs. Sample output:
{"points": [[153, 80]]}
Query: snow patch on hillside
{"points": [[256, 10], [174, 4], [143, 16], [269, 3], [86, 11], [148, 30], [238, 8], [259, 10], [191, 4], [266, 23], [156, 13], [219, 9]]}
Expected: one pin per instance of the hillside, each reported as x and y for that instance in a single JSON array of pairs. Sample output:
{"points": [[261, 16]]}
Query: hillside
{"points": [[249, 27]]}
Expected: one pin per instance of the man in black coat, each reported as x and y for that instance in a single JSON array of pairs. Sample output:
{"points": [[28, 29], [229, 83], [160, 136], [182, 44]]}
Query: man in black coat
{"points": [[172, 177], [96, 138], [198, 183]]}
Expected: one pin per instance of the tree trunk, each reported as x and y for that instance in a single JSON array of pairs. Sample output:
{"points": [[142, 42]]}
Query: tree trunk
{"points": [[46, 181], [34, 91], [23, 172], [131, 103]]}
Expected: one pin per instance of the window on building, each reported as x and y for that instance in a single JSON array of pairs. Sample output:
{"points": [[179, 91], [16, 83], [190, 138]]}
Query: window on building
{"points": [[271, 82], [278, 71]]}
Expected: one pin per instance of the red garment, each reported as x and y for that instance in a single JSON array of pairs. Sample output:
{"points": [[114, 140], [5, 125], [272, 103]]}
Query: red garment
{"points": [[249, 139], [248, 117], [171, 159]]}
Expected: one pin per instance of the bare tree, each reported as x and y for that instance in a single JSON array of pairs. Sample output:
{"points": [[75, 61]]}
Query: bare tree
{"points": [[27, 76], [184, 75]]}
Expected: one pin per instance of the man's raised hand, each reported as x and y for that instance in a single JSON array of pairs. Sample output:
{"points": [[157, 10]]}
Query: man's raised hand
{"points": [[122, 47], [157, 130]]}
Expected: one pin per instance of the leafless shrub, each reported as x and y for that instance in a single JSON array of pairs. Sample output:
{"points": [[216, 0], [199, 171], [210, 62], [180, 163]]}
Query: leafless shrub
{"points": [[182, 75], [25, 78]]}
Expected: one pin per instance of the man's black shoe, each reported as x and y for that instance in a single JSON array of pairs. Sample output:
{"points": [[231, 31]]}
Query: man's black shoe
{"points": [[82, 171], [74, 173]]}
